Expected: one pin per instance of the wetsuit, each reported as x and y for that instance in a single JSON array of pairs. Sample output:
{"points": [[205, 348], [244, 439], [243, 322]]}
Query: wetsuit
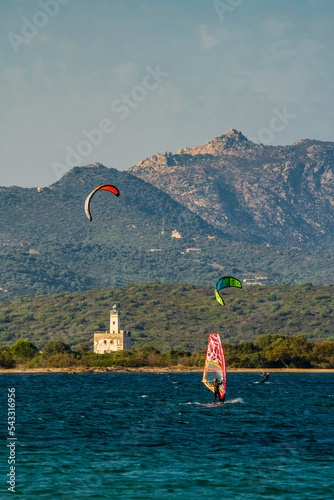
{"points": [[216, 385], [265, 378]]}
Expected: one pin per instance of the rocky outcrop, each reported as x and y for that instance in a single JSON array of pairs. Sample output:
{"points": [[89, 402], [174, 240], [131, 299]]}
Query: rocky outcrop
{"points": [[274, 194]]}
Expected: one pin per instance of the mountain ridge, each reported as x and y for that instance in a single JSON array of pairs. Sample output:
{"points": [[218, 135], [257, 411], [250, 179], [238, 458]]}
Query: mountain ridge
{"points": [[274, 194], [47, 245]]}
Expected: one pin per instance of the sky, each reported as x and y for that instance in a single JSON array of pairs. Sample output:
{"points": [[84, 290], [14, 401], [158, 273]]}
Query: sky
{"points": [[116, 81]]}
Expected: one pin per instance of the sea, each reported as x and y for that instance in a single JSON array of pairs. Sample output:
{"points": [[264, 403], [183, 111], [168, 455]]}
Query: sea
{"points": [[158, 436]]}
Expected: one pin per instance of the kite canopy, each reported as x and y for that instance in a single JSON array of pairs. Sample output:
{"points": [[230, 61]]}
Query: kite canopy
{"points": [[225, 282], [215, 366], [104, 187]]}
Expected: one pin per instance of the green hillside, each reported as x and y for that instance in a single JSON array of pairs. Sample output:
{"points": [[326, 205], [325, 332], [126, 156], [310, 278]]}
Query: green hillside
{"points": [[48, 246], [172, 316]]}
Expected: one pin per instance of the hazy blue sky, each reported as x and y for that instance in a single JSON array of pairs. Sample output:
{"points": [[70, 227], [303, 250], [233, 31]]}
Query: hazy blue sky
{"points": [[157, 75]]}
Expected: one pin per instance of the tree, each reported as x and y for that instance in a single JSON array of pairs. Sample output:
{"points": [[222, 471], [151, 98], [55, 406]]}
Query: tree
{"points": [[6, 359], [83, 348], [323, 354], [55, 346], [23, 349], [280, 353], [290, 351]]}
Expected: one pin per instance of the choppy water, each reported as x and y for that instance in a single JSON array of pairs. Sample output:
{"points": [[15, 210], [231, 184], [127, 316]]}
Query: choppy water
{"points": [[144, 436]]}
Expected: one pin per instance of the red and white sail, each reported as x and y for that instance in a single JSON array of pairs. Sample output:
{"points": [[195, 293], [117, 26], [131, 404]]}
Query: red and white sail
{"points": [[215, 366]]}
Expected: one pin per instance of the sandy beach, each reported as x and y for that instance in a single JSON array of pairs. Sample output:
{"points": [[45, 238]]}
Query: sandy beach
{"points": [[158, 370]]}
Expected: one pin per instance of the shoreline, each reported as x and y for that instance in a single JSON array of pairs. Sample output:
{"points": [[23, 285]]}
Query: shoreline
{"points": [[157, 370]]}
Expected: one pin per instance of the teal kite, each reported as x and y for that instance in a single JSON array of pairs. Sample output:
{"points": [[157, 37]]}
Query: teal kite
{"points": [[225, 282]]}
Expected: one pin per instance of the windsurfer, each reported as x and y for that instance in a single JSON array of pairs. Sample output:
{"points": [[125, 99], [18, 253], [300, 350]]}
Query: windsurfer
{"points": [[215, 366], [216, 385], [265, 377]]}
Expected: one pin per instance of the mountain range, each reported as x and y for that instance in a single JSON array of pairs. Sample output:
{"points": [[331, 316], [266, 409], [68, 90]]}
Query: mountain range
{"points": [[184, 218], [281, 195]]}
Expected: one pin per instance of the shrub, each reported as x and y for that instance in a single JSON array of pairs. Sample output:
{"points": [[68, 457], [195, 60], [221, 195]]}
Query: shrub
{"points": [[23, 350], [6, 360], [54, 347], [58, 360], [83, 348]]}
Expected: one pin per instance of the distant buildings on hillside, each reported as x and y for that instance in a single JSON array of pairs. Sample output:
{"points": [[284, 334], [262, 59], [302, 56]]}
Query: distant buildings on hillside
{"points": [[258, 280]]}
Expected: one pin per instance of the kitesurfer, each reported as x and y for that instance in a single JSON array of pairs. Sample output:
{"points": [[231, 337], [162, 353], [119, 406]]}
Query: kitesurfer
{"points": [[216, 385], [265, 377]]}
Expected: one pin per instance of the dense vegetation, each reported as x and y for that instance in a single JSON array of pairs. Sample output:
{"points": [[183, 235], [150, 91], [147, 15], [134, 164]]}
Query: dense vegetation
{"points": [[269, 351], [172, 316], [48, 246]]}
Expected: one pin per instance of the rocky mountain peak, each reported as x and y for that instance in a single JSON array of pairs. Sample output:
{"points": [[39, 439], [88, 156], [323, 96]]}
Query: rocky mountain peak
{"points": [[234, 134], [274, 193], [96, 164], [232, 139]]}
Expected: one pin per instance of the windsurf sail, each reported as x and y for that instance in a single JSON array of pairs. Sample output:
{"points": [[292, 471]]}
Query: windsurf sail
{"points": [[215, 366]]}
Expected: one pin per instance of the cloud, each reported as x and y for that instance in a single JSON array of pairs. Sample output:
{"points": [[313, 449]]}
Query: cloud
{"points": [[275, 28], [126, 72], [14, 75], [208, 39]]}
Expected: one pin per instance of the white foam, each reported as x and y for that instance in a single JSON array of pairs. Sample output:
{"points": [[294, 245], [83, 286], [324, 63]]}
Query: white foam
{"points": [[237, 400]]}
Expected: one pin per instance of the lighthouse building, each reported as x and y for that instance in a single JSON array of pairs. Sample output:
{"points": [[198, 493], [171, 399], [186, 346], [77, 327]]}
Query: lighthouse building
{"points": [[116, 339]]}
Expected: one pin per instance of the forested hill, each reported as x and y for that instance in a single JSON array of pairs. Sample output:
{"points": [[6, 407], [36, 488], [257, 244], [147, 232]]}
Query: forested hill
{"points": [[47, 245], [172, 316]]}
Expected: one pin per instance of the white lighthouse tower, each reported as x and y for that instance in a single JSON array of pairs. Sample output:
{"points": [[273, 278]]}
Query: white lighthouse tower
{"points": [[115, 320], [116, 339]]}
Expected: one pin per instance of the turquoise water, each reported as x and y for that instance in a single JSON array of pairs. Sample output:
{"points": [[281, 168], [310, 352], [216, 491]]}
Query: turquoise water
{"points": [[151, 436]]}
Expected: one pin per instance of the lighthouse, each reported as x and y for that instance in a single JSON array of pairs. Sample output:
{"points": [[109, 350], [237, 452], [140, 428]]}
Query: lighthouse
{"points": [[115, 320], [116, 339]]}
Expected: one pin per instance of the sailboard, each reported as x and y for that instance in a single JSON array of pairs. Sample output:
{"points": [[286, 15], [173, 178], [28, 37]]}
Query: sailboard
{"points": [[215, 366]]}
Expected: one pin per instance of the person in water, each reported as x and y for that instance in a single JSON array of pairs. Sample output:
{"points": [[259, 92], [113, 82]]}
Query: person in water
{"points": [[265, 377], [216, 385]]}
